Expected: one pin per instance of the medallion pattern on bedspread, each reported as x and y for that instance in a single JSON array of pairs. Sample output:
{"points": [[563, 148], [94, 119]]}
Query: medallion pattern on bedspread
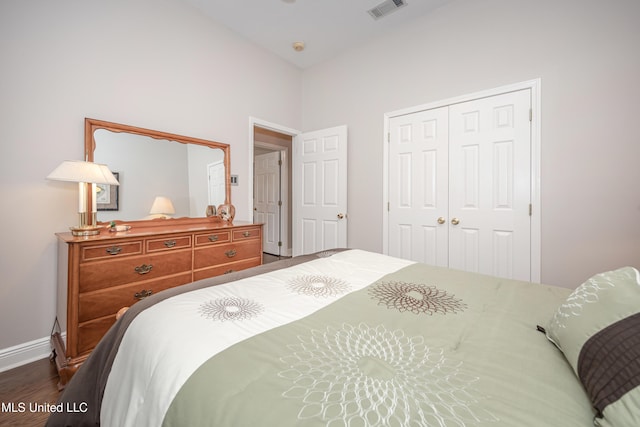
{"points": [[230, 308], [362, 375], [416, 298], [318, 286]]}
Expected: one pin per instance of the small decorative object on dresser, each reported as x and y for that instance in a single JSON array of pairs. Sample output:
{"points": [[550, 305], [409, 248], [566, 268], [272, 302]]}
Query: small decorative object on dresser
{"points": [[99, 275], [211, 211], [226, 212]]}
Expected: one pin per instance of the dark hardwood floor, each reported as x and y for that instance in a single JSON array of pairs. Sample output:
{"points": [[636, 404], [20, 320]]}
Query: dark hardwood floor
{"points": [[25, 387], [267, 258]]}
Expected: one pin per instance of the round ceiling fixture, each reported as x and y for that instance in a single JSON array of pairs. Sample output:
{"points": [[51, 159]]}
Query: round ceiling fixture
{"points": [[298, 46]]}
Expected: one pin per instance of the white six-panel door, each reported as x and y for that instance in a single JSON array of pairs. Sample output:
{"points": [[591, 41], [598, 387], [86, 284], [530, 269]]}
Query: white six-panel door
{"points": [[459, 186], [215, 174], [320, 190], [266, 189], [489, 185], [418, 189]]}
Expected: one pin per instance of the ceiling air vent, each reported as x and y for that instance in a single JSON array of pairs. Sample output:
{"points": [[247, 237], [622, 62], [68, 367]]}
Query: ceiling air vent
{"points": [[385, 8]]}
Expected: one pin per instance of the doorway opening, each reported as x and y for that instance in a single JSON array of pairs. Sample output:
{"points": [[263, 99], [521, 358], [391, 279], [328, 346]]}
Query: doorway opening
{"points": [[314, 205], [272, 190]]}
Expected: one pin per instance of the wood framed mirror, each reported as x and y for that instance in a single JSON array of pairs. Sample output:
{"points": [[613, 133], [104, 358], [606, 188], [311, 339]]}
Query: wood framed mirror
{"points": [[191, 172]]}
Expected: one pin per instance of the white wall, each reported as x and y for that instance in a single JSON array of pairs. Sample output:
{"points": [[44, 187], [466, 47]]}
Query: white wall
{"points": [[585, 52], [154, 64]]}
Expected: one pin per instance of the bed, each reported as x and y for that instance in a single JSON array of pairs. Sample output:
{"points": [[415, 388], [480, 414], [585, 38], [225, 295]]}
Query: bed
{"points": [[355, 338]]}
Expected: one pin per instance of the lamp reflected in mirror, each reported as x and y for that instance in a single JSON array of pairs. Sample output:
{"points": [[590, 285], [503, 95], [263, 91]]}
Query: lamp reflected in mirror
{"points": [[162, 208]]}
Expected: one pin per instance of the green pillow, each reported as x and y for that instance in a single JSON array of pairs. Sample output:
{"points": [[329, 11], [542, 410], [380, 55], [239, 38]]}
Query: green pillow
{"points": [[598, 330]]}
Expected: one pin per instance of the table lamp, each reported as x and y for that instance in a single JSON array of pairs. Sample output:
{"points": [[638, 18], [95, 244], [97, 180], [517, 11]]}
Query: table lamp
{"points": [[87, 175]]}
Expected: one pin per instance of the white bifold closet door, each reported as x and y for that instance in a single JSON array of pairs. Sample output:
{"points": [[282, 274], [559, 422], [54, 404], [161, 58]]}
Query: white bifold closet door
{"points": [[459, 186]]}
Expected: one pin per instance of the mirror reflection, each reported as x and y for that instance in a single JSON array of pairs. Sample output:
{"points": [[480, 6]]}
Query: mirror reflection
{"points": [[150, 171], [148, 168]]}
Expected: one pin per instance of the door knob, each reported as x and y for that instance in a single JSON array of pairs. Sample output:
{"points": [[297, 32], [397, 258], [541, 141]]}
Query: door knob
{"points": [[441, 220], [455, 221], [340, 216]]}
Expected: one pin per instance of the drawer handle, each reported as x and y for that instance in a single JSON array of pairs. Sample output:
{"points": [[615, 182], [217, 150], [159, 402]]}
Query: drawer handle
{"points": [[170, 243], [144, 268], [231, 253], [114, 250], [213, 238], [143, 294], [246, 234]]}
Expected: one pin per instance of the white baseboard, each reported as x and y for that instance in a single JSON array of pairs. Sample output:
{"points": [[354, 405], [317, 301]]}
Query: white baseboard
{"points": [[22, 354]]}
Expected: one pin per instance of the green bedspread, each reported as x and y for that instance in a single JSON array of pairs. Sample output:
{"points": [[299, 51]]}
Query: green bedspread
{"points": [[423, 346]]}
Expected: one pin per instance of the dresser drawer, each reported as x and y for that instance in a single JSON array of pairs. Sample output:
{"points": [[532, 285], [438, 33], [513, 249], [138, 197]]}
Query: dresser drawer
{"points": [[226, 268], [110, 250], [101, 275], [92, 305], [246, 234], [168, 243], [223, 254], [213, 238]]}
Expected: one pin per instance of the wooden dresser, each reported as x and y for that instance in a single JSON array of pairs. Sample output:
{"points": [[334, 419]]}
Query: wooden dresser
{"points": [[99, 275]]}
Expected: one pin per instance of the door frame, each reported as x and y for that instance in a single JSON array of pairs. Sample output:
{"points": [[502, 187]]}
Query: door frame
{"points": [[535, 87], [256, 122]]}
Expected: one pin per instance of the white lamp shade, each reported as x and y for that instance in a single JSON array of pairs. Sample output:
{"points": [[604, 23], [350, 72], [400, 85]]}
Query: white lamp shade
{"points": [[162, 205], [79, 171]]}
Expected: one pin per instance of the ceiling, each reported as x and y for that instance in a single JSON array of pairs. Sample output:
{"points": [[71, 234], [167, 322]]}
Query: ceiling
{"points": [[327, 27]]}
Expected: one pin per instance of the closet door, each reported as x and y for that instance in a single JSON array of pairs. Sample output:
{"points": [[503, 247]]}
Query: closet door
{"points": [[460, 186], [418, 174], [489, 185]]}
